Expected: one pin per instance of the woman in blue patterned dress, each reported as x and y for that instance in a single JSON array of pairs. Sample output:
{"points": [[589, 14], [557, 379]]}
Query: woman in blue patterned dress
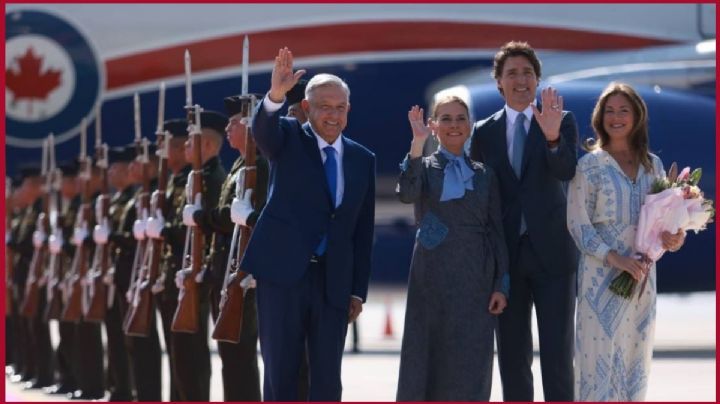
{"points": [[614, 336], [458, 277]]}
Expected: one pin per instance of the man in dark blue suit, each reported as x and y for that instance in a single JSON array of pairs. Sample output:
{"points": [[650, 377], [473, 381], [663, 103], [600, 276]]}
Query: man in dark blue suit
{"points": [[533, 152], [310, 249]]}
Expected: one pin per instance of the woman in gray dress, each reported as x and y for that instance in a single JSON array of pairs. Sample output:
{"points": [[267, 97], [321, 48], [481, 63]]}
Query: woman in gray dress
{"points": [[458, 276]]}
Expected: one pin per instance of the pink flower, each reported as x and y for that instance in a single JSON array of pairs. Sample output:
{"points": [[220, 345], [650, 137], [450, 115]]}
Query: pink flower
{"points": [[684, 174]]}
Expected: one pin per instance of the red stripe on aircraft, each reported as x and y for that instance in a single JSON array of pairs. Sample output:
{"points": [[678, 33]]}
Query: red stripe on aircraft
{"points": [[337, 39]]}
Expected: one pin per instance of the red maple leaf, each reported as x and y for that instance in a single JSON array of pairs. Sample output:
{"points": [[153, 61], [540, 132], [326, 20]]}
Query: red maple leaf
{"points": [[29, 82]]}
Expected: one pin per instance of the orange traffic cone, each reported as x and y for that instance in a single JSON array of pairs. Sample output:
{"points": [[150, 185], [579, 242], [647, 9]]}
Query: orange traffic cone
{"points": [[388, 333]]}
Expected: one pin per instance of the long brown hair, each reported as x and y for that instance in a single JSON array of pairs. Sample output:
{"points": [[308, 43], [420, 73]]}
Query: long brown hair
{"points": [[639, 143]]}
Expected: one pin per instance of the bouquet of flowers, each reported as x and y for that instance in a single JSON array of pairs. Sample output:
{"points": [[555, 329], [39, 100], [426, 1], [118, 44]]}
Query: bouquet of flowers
{"points": [[674, 202]]}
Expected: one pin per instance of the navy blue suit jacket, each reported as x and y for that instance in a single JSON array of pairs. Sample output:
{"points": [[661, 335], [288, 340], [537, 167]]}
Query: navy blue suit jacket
{"points": [[299, 211], [540, 191]]}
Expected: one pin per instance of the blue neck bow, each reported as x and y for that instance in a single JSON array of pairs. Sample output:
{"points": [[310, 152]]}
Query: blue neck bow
{"points": [[458, 176]]}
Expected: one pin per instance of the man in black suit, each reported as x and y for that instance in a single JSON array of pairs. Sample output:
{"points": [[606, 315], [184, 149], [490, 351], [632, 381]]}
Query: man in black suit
{"points": [[533, 152]]}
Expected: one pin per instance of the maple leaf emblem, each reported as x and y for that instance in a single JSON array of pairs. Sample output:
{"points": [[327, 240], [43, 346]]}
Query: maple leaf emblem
{"points": [[28, 81]]}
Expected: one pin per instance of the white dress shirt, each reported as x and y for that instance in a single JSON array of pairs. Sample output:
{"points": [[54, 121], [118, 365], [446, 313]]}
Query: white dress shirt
{"points": [[511, 116]]}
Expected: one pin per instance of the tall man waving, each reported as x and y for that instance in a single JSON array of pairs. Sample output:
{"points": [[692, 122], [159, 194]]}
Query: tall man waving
{"points": [[319, 215]]}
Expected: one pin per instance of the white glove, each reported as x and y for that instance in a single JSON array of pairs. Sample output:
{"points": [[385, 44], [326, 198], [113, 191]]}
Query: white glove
{"points": [[180, 277], [189, 210], [241, 209], [38, 238], [139, 229], [101, 232], [248, 282], [55, 243], [155, 225], [79, 235]]}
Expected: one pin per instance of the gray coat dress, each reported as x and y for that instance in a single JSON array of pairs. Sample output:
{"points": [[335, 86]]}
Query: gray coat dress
{"points": [[458, 261]]}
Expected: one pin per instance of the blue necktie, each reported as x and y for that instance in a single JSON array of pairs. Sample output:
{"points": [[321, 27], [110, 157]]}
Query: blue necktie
{"points": [[330, 166], [518, 143], [518, 147]]}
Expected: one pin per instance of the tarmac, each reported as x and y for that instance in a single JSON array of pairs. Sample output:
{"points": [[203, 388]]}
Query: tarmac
{"points": [[683, 367]]}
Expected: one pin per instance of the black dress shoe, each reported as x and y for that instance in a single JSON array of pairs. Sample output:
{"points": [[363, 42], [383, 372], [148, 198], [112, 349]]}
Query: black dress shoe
{"points": [[37, 384], [82, 395], [115, 397], [59, 388]]}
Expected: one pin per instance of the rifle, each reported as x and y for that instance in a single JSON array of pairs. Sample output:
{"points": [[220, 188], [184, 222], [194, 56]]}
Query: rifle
{"points": [[229, 323], [95, 296], [36, 279], [140, 318], [72, 312], [140, 269], [232, 297], [53, 309], [187, 315]]}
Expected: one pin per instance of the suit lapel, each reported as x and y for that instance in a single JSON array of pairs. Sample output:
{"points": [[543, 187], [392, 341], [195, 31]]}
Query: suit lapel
{"points": [[499, 138]]}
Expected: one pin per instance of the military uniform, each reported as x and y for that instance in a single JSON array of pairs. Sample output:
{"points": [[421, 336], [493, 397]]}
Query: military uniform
{"points": [[144, 352], [21, 244], [37, 369], [241, 378], [118, 362], [88, 337], [190, 351], [66, 364], [170, 263]]}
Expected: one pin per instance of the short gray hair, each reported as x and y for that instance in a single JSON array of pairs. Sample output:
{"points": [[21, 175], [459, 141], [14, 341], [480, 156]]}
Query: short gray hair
{"points": [[326, 80]]}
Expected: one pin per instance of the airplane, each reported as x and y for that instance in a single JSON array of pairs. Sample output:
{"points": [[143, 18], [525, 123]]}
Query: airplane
{"points": [[63, 59]]}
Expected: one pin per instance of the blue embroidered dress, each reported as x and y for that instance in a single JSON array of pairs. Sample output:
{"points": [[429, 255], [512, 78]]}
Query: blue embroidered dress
{"points": [[458, 261], [614, 336]]}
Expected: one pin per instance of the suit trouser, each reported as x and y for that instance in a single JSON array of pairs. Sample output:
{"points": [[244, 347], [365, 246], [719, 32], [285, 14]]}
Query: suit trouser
{"points": [[89, 357], [41, 347], [167, 304], [191, 355], [144, 356], [291, 318], [554, 300], [64, 354], [118, 367], [241, 377]]}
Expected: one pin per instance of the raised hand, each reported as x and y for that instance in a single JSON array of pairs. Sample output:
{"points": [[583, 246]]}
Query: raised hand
{"points": [[283, 78], [421, 131], [551, 116]]}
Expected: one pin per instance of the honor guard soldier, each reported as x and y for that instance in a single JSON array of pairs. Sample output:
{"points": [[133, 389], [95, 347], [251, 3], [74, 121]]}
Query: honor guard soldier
{"points": [[69, 202], [241, 378], [173, 236], [13, 357], [118, 367], [89, 350], [144, 352], [34, 353], [190, 350]]}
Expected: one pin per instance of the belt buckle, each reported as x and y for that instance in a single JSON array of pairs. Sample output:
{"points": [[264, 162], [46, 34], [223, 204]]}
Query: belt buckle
{"points": [[314, 259]]}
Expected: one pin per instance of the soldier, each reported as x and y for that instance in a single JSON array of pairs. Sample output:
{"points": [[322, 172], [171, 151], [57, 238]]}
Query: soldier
{"points": [[173, 236], [241, 378], [28, 202], [13, 359], [118, 368], [88, 336], [191, 352], [144, 352], [69, 203]]}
